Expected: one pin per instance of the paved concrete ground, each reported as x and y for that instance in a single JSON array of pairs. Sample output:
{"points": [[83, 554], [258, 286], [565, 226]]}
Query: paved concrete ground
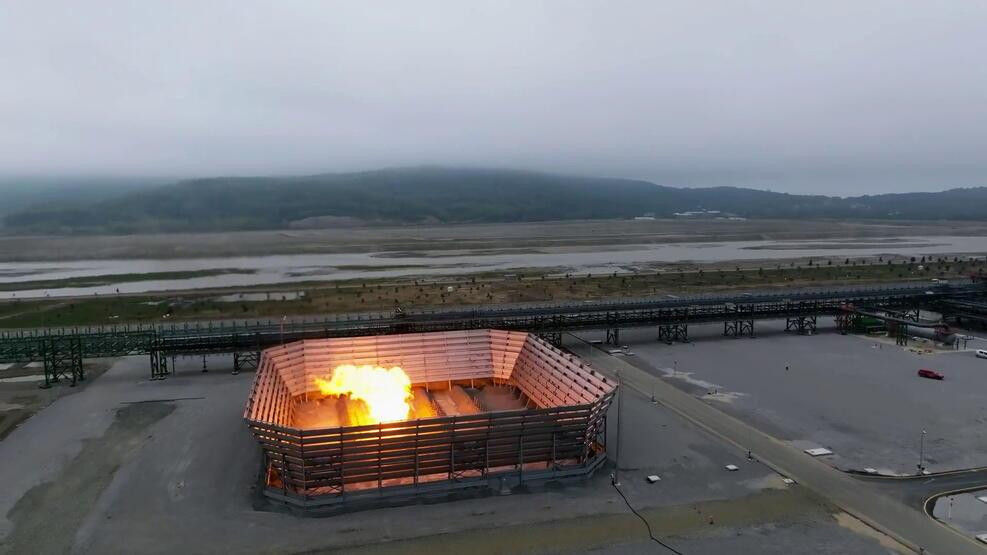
{"points": [[129, 465], [906, 523], [20, 396], [778, 538], [964, 511], [841, 392]]}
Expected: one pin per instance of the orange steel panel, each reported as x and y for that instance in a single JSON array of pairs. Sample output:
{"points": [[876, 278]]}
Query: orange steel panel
{"points": [[560, 431]]}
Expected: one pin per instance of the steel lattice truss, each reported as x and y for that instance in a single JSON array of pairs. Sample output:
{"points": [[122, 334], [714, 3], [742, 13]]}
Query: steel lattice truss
{"points": [[561, 432], [670, 315]]}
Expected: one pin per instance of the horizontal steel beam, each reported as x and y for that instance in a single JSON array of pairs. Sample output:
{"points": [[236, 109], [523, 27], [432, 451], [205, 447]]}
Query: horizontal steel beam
{"points": [[240, 336]]}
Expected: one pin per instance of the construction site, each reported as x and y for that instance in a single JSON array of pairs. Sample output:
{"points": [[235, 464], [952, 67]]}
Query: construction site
{"points": [[493, 278], [750, 423]]}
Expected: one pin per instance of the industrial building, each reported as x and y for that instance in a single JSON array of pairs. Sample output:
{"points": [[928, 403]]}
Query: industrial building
{"points": [[480, 409]]}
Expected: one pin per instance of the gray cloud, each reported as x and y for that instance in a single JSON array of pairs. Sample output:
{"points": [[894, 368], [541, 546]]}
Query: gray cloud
{"points": [[836, 97]]}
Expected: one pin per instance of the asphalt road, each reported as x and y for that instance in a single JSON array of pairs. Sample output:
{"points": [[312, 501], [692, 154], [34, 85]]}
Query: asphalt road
{"points": [[915, 491], [871, 503]]}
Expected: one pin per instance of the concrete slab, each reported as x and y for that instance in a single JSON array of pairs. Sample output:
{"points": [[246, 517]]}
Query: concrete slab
{"points": [[186, 481], [863, 402], [796, 535], [964, 511]]}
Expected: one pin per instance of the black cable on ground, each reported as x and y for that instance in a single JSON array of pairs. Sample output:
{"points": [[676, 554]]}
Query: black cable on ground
{"points": [[645, 521]]}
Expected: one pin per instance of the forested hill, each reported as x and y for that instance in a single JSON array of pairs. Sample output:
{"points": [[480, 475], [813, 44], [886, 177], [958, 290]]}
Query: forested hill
{"points": [[446, 195]]}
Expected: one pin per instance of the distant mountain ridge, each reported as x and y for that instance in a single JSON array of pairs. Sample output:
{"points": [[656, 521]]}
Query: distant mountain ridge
{"points": [[454, 195]]}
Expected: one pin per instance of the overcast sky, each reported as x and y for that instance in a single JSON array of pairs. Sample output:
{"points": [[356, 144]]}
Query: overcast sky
{"points": [[833, 97]]}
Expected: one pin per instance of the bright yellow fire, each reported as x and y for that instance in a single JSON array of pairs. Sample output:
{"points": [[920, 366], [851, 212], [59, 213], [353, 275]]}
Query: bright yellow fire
{"points": [[386, 391]]}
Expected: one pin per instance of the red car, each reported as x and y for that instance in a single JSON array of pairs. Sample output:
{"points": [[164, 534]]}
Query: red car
{"points": [[931, 374]]}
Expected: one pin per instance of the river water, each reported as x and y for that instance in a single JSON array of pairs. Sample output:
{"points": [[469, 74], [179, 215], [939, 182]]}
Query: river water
{"points": [[275, 269]]}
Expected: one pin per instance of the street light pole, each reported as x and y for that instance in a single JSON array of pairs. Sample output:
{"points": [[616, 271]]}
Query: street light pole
{"points": [[921, 453], [620, 422], [282, 327]]}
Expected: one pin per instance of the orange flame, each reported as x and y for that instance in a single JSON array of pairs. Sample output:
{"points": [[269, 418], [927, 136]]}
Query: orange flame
{"points": [[386, 391]]}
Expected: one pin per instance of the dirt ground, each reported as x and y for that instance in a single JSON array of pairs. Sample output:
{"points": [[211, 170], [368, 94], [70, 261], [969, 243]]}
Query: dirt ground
{"points": [[67, 500], [21, 396], [466, 236], [329, 298]]}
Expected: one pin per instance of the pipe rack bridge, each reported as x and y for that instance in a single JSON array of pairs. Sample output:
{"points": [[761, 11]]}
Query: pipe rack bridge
{"points": [[63, 350], [965, 311]]}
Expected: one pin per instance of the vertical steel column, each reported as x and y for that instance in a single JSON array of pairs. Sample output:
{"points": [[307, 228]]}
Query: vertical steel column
{"points": [[901, 338], [452, 453], [75, 348], [50, 375], [843, 322], [285, 473], [613, 336], [670, 333], [342, 465], [553, 464], [301, 454], [418, 426], [553, 337], [520, 451]]}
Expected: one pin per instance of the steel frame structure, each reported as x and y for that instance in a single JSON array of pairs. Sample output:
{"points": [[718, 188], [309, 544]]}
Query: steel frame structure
{"points": [[964, 311], [738, 328], [245, 361], [670, 333], [561, 434], [847, 321], [63, 360], [671, 316], [613, 336], [801, 323]]}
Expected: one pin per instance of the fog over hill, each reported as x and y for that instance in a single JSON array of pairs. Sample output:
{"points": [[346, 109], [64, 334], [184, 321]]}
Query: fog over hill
{"points": [[450, 195]]}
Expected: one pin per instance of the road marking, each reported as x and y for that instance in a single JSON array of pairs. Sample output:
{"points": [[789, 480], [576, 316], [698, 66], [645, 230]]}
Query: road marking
{"points": [[910, 526]]}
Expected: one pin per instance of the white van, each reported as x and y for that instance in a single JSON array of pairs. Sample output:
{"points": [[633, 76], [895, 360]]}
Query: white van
{"points": [[981, 353]]}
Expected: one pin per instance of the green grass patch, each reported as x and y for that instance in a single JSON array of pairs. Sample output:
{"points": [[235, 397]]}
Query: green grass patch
{"points": [[328, 297]]}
